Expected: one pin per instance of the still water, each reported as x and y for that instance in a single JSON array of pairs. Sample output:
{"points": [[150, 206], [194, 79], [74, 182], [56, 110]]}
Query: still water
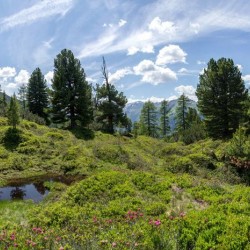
{"points": [[31, 189]]}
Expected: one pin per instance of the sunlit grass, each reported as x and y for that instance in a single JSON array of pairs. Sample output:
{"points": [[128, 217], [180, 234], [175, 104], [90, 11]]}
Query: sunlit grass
{"points": [[14, 212]]}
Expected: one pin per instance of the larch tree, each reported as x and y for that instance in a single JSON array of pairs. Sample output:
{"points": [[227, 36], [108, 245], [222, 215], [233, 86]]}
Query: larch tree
{"points": [[164, 119], [22, 96], [110, 103], [221, 93], [13, 112], [181, 113], [71, 93], [148, 120], [3, 105], [37, 96]]}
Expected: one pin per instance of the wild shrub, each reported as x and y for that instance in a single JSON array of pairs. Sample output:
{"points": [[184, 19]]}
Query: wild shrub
{"points": [[4, 154], [55, 136], [12, 138], [182, 165]]}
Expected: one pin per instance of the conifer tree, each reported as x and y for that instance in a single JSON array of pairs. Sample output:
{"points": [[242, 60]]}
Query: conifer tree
{"points": [[192, 117], [37, 96], [3, 105], [148, 120], [22, 96], [13, 112], [71, 95], [181, 113], [221, 93], [164, 110], [110, 103]]}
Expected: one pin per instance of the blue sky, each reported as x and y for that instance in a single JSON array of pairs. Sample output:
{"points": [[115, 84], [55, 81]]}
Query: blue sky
{"points": [[154, 49]]}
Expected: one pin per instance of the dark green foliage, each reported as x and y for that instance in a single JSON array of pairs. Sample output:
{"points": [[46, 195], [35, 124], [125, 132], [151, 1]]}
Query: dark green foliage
{"points": [[37, 96], [71, 96], [246, 115], [164, 110], [192, 117], [13, 112], [110, 104], [221, 92], [12, 138], [193, 133], [195, 129], [3, 104], [181, 113], [148, 120]]}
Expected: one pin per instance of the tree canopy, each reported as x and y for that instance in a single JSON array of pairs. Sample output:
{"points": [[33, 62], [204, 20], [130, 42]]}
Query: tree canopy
{"points": [[13, 112], [110, 104], [221, 93], [71, 95], [37, 96], [148, 120], [181, 113], [164, 119]]}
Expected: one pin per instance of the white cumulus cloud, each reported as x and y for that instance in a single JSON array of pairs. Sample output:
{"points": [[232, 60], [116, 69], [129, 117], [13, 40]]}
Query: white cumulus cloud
{"points": [[187, 90], [154, 74], [240, 67], [171, 54], [162, 27], [7, 72], [246, 78], [22, 77], [48, 77], [120, 73]]}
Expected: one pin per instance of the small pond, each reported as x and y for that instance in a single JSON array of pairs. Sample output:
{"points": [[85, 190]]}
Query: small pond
{"points": [[32, 188]]}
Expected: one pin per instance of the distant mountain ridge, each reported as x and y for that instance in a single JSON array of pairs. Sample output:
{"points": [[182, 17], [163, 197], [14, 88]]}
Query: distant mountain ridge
{"points": [[133, 110]]}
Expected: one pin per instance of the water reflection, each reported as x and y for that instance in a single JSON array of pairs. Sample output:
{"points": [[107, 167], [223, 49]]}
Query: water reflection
{"points": [[17, 193], [33, 188], [32, 191]]}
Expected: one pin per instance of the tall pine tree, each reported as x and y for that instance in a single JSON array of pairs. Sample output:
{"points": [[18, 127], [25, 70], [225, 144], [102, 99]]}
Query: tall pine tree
{"points": [[22, 96], [148, 120], [71, 95], [164, 119], [110, 104], [13, 112], [181, 113], [221, 93], [37, 96], [3, 104]]}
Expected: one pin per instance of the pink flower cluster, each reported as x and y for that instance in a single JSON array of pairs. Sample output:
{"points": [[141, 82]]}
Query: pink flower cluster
{"points": [[156, 223], [31, 243], [13, 236], [133, 215], [37, 230]]}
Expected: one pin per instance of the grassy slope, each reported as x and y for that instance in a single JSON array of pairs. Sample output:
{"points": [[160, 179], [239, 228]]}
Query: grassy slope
{"points": [[140, 193]]}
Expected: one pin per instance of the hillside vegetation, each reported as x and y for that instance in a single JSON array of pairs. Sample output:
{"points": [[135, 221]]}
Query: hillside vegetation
{"points": [[136, 193]]}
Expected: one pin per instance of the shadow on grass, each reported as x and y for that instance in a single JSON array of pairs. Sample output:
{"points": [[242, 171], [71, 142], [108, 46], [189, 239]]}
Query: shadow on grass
{"points": [[83, 133], [12, 138]]}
